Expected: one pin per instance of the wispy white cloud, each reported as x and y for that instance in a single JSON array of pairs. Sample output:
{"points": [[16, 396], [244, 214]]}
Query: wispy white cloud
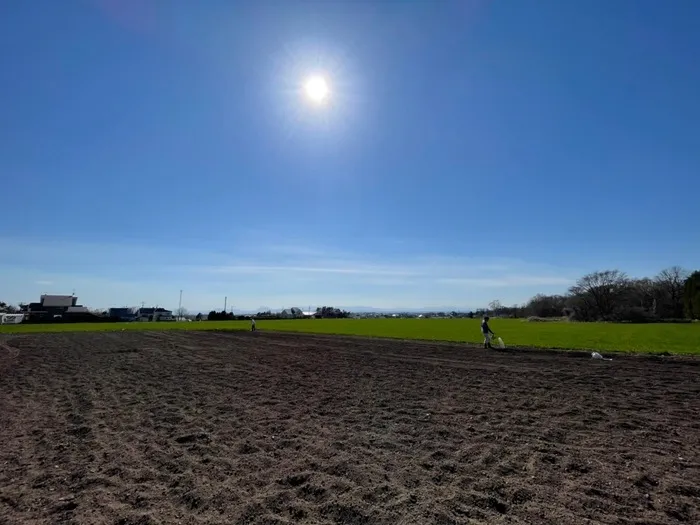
{"points": [[266, 273], [509, 280], [439, 270], [354, 269]]}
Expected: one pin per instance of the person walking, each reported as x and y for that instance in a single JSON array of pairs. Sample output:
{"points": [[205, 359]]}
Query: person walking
{"points": [[486, 330], [252, 324]]}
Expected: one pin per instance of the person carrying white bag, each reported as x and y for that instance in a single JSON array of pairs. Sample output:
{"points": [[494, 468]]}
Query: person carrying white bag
{"points": [[486, 330]]}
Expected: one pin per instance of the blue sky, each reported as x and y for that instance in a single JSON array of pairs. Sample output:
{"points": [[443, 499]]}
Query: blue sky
{"points": [[470, 150]]}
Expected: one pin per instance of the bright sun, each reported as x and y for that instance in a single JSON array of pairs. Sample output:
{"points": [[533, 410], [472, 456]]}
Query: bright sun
{"points": [[316, 89]]}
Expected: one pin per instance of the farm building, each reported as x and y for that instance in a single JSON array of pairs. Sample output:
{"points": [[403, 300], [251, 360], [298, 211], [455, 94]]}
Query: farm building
{"points": [[290, 313], [295, 313]]}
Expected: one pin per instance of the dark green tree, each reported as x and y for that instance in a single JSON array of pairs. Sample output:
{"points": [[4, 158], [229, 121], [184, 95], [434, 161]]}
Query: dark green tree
{"points": [[691, 296]]}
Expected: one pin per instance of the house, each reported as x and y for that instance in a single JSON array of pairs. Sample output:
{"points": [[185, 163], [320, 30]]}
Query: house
{"points": [[123, 314], [52, 306], [77, 310], [154, 314]]}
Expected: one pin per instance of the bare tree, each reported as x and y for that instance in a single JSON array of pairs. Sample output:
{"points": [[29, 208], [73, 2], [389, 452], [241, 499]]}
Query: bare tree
{"points": [[495, 306], [598, 294], [643, 293], [181, 313], [671, 282], [546, 305]]}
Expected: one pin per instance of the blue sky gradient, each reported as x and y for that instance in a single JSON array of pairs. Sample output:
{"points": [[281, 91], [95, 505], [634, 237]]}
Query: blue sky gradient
{"points": [[471, 150]]}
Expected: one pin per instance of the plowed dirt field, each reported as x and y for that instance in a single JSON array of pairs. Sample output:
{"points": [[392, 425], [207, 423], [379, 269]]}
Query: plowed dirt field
{"points": [[203, 428]]}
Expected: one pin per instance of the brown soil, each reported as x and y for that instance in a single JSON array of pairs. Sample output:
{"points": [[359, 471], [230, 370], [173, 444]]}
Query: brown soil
{"points": [[183, 427]]}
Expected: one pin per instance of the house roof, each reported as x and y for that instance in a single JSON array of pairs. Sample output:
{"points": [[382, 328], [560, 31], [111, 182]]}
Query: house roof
{"points": [[150, 310], [77, 310], [57, 300]]}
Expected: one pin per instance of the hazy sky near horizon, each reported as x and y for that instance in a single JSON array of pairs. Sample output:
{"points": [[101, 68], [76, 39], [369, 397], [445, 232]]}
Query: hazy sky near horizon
{"points": [[468, 150]]}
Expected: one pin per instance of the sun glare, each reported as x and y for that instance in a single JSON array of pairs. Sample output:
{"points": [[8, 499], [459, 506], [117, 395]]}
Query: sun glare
{"points": [[316, 89]]}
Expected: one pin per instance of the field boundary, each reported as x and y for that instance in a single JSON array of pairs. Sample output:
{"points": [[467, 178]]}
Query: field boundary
{"points": [[580, 353], [568, 352]]}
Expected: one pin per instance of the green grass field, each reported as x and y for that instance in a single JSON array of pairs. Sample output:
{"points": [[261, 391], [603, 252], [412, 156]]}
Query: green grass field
{"points": [[672, 338]]}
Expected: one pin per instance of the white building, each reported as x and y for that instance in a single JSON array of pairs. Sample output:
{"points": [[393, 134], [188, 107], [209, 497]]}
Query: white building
{"points": [[11, 318]]}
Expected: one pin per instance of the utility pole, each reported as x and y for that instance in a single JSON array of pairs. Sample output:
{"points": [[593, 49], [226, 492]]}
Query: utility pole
{"points": [[225, 301], [179, 308]]}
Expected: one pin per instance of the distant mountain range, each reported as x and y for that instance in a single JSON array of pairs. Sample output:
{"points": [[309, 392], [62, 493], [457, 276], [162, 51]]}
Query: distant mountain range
{"points": [[365, 309], [370, 309]]}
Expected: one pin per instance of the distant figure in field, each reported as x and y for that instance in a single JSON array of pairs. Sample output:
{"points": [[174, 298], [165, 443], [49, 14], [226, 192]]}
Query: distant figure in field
{"points": [[486, 330], [252, 324]]}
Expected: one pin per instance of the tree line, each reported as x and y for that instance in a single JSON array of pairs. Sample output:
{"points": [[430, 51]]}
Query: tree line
{"points": [[322, 312], [610, 295], [329, 312], [224, 316]]}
